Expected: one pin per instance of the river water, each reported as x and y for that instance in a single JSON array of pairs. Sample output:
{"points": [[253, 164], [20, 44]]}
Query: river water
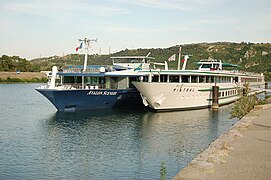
{"points": [[36, 142]]}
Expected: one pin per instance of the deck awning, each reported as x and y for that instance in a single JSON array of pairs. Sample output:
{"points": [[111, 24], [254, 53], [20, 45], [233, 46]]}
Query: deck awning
{"points": [[229, 65]]}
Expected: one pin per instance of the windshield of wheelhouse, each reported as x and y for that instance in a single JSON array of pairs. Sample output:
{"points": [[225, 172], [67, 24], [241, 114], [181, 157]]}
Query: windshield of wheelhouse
{"points": [[89, 82]]}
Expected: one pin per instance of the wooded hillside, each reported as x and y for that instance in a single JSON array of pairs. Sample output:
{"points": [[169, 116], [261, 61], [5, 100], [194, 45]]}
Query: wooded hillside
{"points": [[249, 56]]}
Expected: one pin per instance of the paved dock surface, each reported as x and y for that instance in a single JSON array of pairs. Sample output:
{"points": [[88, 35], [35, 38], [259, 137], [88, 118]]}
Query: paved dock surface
{"points": [[244, 152]]}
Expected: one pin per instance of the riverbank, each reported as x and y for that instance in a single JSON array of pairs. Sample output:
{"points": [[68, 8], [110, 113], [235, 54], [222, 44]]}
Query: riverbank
{"points": [[22, 77], [241, 153]]}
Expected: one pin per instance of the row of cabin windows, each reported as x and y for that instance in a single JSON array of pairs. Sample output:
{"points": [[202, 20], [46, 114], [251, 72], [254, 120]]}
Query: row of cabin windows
{"points": [[192, 79], [101, 82], [227, 93], [251, 80], [87, 80]]}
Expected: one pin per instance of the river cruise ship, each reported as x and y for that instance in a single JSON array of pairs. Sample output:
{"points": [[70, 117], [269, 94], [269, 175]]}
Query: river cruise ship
{"points": [[96, 87], [192, 89]]}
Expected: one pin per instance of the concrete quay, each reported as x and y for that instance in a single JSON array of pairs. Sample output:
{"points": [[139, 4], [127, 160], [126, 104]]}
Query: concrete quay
{"points": [[244, 152]]}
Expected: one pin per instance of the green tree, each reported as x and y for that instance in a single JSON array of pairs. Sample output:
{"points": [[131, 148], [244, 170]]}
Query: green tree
{"points": [[7, 64]]}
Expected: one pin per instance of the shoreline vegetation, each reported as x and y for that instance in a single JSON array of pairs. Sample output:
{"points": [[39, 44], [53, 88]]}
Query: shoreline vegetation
{"points": [[22, 77], [246, 103]]}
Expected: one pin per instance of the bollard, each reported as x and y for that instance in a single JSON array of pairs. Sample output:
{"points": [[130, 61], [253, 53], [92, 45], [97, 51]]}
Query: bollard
{"points": [[266, 87], [215, 92]]}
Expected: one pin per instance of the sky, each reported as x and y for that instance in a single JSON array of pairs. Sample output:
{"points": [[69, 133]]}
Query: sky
{"points": [[42, 28]]}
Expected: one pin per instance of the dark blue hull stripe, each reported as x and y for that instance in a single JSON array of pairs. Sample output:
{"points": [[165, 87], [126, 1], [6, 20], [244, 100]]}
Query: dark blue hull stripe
{"points": [[92, 99]]}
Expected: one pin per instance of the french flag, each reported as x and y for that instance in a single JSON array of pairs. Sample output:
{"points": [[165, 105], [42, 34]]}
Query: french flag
{"points": [[80, 47]]}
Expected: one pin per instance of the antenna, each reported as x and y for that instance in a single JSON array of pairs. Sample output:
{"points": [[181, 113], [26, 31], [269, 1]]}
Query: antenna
{"points": [[87, 43], [148, 54]]}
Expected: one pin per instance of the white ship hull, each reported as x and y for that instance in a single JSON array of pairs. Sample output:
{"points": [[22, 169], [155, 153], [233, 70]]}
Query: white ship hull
{"points": [[192, 89], [173, 96]]}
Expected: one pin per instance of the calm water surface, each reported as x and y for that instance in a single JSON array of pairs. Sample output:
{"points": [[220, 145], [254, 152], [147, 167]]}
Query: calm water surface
{"points": [[36, 142]]}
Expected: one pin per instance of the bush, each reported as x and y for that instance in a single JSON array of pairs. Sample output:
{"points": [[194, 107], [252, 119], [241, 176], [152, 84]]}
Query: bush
{"points": [[243, 105], [18, 80], [163, 171]]}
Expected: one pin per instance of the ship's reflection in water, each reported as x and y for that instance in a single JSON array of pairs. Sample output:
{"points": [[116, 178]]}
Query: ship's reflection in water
{"points": [[127, 144]]}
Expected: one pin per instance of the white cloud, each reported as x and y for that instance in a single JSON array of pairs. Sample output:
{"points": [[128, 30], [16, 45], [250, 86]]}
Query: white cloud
{"points": [[120, 29], [222, 20], [160, 4], [45, 7], [181, 5]]}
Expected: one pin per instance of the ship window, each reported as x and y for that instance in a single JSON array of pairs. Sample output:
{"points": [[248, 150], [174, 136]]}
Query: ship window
{"points": [[78, 79], [132, 79], [155, 78], [194, 79], [163, 78], [223, 94], [174, 78], [219, 94], [202, 79], [145, 78], [68, 79], [206, 66], [208, 79], [122, 82], [114, 82], [226, 79], [217, 79], [229, 79], [212, 79], [94, 80], [185, 79], [72, 79], [102, 82]]}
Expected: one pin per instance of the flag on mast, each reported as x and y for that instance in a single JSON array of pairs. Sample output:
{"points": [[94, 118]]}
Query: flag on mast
{"points": [[79, 47], [172, 58], [185, 58]]}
